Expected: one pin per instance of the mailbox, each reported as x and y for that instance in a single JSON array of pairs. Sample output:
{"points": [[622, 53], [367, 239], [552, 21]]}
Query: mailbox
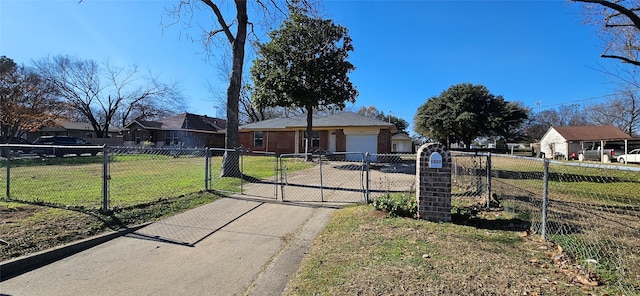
{"points": [[435, 160]]}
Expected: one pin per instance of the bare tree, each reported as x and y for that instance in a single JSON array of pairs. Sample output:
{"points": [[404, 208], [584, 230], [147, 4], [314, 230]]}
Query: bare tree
{"points": [[565, 115], [224, 27], [622, 112], [27, 102], [620, 27], [101, 94]]}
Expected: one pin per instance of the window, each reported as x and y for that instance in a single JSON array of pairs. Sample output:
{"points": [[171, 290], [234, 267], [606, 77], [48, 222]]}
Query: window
{"points": [[315, 138], [257, 139]]}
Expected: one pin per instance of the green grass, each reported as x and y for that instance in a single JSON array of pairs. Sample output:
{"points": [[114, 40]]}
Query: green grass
{"points": [[134, 179]]}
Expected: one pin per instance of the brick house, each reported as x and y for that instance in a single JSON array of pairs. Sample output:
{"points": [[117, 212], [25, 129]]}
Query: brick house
{"points": [[182, 130], [341, 132]]}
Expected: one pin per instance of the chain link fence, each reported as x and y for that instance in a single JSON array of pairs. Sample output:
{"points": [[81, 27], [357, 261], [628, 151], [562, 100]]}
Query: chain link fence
{"points": [[592, 211], [333, 177], [249, 172], [48, 174], [101, 177], [392, 174]]}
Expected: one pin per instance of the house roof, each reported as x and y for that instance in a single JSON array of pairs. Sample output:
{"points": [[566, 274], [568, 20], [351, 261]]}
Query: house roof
{"points": [[186, 121], [401, 136], [338, 120], [76, 126], [590, 133]]}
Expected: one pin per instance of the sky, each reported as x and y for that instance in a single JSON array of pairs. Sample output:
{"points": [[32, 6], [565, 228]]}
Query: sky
{"points": [[539, 53]]}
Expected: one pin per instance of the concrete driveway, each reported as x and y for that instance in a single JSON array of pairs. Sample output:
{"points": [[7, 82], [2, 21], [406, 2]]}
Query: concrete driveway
{"points": [[233, 246]]}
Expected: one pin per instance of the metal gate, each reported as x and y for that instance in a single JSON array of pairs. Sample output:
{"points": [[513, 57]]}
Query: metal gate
{"points": [[335, 177], [249, 175]]}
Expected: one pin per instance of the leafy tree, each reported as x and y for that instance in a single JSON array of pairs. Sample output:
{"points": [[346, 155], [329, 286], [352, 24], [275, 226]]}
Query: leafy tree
{"points": [[508, 123], [371, 111], [27, 102], [304, 66], [620, 27], [466, 111], [102, 94]]}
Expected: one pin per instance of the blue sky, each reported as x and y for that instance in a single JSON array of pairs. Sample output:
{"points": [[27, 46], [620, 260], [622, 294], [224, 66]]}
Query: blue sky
{"points": [[405, 51]]}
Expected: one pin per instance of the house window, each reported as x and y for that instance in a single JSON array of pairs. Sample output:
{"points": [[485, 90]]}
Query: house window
{"points": [[257, 139], [315, 138], [171, 138]]}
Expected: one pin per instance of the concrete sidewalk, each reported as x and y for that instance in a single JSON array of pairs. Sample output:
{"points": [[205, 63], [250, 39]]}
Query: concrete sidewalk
{"points": [[233, 246]]}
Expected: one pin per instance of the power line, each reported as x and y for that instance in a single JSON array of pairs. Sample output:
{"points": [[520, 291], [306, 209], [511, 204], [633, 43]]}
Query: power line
{"points": [[581, 100]]}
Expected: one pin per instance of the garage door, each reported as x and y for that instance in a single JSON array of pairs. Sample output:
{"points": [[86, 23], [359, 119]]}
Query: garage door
{"points": [[361, 143]]}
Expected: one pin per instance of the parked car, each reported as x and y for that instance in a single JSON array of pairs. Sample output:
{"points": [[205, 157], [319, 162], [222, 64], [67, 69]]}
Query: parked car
{"points": [[610, 153], [632, 157], [18, 141], [64, 142]]}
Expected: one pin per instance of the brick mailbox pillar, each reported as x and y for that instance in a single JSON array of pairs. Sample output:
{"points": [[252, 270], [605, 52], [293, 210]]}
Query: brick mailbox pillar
{"points": [[433, 179]]}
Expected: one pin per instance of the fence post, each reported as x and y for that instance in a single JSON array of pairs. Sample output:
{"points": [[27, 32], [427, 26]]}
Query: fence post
{"points": [[206, 168], [275, 177], [367, 163], [489, 180], [240, 151], [321, 184], [282, 177], [545, 198], [105, 178], [7, 151]]}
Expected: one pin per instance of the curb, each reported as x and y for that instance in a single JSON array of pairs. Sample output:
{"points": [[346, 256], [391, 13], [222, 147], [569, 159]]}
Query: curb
{"points": [[15, 267]]}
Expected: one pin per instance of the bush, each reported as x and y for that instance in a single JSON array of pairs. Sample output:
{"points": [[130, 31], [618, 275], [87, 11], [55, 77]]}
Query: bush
{"points": [[397, 205]]}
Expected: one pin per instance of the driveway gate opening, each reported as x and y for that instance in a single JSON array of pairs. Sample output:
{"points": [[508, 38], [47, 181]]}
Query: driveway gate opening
{"points": [[336, 177]]}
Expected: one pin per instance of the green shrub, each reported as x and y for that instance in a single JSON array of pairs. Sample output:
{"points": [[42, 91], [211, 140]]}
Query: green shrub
{"points": [[399, 205]]}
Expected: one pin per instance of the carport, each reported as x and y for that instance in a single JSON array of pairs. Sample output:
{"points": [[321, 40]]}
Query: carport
{"points": [[562, 141]]}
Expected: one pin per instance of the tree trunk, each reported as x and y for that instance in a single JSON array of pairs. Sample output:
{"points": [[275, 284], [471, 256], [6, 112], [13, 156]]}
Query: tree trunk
{"points": [[309, 131], [231, 162]]}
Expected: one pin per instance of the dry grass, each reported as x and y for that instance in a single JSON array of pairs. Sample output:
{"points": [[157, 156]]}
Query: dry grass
{"points": [[362, 252]]}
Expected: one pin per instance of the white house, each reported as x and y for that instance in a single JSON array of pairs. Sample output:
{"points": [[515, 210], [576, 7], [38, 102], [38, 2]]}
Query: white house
{"points": [[401, 143], [562, 141]]}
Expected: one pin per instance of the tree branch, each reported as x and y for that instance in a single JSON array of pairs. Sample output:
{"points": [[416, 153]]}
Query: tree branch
{"points": [[626, 60], [221, 21], [617, 7]]}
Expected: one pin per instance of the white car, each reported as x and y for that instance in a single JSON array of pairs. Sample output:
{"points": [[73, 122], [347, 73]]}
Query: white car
{"points": [[631, 157]]}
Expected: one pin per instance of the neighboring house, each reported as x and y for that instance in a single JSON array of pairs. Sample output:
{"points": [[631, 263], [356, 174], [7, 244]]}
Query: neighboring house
{"points": [[83, 130], [182, 130], [401, 143], [562, 141], [341, 132]]}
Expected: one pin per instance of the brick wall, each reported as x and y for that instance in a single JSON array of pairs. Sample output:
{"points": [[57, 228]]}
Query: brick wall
{"points": [[433, 184], [384, 141]]}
